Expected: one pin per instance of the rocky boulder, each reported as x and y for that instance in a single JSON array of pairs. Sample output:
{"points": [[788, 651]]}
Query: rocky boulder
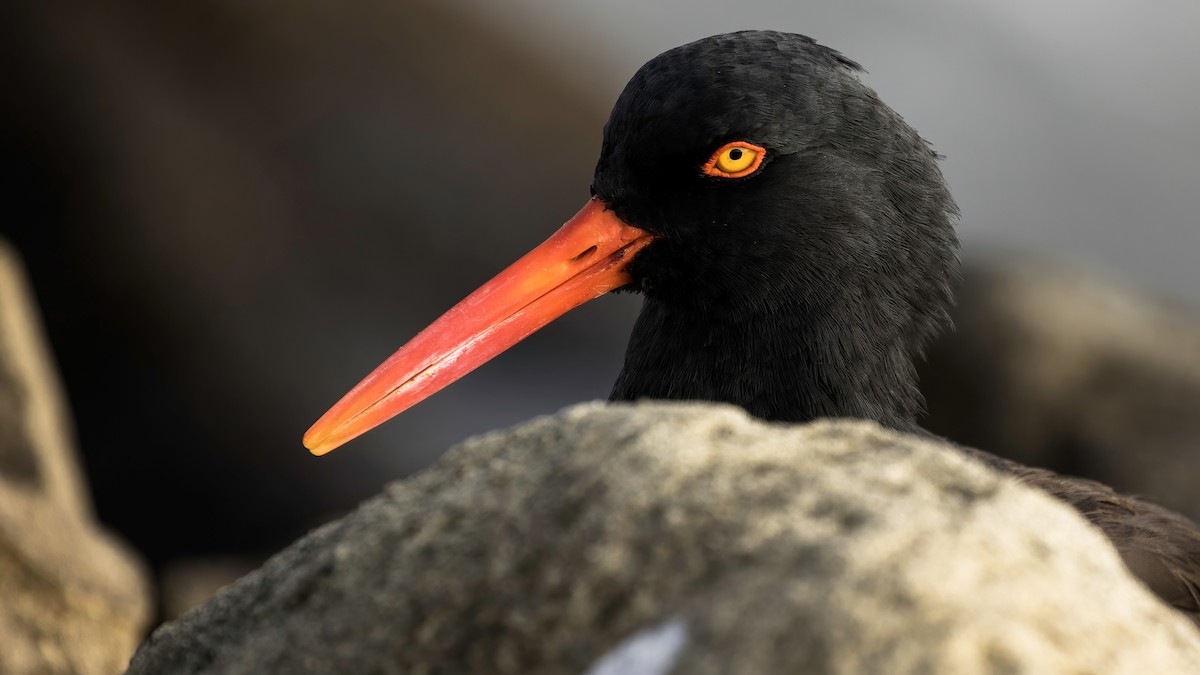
{"points": [[689, 539], [72, 599]]}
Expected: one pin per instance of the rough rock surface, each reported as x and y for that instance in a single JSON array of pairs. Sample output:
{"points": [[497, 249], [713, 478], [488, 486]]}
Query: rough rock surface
{"points": [[1055, 368], [72, 600], [689, 539]]}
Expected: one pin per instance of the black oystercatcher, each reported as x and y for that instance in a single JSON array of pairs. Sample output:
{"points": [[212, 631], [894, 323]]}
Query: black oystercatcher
{"points": [[793, 239]]}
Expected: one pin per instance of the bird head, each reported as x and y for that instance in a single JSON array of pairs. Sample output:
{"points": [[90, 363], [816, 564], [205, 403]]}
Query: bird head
{"points": [[744, 174]]}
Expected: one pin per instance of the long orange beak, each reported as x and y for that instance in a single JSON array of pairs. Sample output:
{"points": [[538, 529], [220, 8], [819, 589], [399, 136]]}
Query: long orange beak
{"points": [[582, 261]]}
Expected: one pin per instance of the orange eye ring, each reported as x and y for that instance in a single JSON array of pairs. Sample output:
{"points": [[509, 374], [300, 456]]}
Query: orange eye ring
{"points": [[734, 160]]}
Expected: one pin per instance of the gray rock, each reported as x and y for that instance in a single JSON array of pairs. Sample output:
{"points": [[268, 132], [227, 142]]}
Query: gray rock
{"points": [[1053, 367], [74, 600], [607, 534]]}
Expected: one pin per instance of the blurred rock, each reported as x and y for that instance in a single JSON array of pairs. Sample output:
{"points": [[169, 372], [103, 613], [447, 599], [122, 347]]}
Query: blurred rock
{"points": [[689, 539], [75, 601], [188, 583], [1054, 368]]}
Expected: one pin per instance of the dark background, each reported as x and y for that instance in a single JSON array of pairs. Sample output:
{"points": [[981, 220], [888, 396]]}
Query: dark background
{"points": [[232, 210]]}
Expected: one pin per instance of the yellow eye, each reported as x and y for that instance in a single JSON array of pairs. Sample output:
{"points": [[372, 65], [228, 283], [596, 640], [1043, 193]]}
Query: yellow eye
{"points": [[734, 160]]}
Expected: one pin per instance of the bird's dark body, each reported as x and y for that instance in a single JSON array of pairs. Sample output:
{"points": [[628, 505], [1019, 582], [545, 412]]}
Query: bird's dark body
{"points": [[808, 288]]}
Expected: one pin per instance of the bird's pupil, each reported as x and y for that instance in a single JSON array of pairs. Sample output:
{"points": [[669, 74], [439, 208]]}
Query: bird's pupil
{"points": [[735, 154]]}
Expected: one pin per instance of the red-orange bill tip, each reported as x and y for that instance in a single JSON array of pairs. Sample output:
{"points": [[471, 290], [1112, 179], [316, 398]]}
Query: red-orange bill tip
{"points": [[586, 258]]}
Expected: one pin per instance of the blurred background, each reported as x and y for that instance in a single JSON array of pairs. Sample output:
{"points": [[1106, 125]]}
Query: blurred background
{"points": [[231, 211]]}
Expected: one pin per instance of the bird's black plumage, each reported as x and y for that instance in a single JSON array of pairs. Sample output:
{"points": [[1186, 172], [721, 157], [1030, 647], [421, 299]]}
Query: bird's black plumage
{"points": [[807, 288]]}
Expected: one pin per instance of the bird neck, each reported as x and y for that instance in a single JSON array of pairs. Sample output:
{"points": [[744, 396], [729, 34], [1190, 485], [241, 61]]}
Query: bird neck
{"points": [[779, 366]]}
